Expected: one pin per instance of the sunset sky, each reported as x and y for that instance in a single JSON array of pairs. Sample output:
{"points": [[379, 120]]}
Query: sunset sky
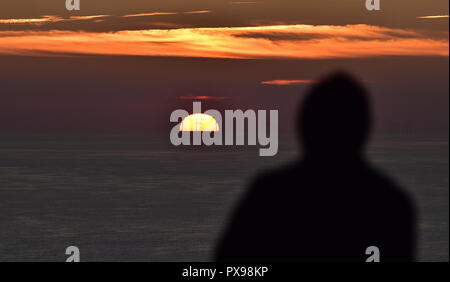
{"points": [[124, 65]]}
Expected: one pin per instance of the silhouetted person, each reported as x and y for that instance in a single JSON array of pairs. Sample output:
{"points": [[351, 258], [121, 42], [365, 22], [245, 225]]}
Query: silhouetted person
{"points": [[331, 205]]}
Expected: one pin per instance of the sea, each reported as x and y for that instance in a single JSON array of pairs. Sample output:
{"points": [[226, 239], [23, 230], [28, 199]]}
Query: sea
{"points": [[135, 197]]}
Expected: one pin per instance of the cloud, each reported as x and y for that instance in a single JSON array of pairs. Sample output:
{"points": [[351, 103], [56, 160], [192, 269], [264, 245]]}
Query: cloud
{"points": [[149, 14], [53, 19], [281, 36], [287, 82], [41, 20], [83, 18], [284, 35], [198, 12], [50, 19], [434, 17], [165, 13], [318, 42]]}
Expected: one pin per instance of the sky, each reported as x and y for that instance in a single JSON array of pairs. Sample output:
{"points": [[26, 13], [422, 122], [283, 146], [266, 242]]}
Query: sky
{"points": [[125, 65]]}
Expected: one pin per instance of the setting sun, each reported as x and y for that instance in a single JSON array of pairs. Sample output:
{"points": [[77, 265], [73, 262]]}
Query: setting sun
{"points": [[199, 122]]}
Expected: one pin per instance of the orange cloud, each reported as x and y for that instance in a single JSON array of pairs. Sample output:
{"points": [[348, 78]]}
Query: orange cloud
{"points": [[53, 19], [287, 82], [434, 17], [41, 20], [199, 12], [50, 19], [164, 13], [149, 14], [262, 42], [82, 18]]}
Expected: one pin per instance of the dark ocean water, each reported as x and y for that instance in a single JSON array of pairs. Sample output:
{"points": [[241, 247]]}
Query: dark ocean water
{"points": [[135, 198]]}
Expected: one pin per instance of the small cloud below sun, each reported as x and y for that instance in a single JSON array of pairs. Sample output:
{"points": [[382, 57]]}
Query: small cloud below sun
{"points": [[288, 82]]}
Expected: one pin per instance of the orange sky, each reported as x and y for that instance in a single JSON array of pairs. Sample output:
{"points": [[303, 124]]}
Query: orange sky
{"points": [[267, 29], [277, 41], [58, 72]]}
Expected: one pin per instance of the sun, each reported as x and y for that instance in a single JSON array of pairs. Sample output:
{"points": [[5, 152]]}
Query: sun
{"points": [[199, 122]]}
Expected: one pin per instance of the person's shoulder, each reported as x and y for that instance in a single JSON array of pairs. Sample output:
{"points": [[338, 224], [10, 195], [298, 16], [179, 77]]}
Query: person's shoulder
{"points": [[390, 190], [275, 181], [279, 174]]}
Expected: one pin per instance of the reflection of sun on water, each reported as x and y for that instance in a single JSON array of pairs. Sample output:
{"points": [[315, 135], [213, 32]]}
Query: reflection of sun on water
{"points": [[199, 122]]}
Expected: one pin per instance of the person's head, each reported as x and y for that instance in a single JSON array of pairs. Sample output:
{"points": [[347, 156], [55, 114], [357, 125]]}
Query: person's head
{"points": [[335, 118]]}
